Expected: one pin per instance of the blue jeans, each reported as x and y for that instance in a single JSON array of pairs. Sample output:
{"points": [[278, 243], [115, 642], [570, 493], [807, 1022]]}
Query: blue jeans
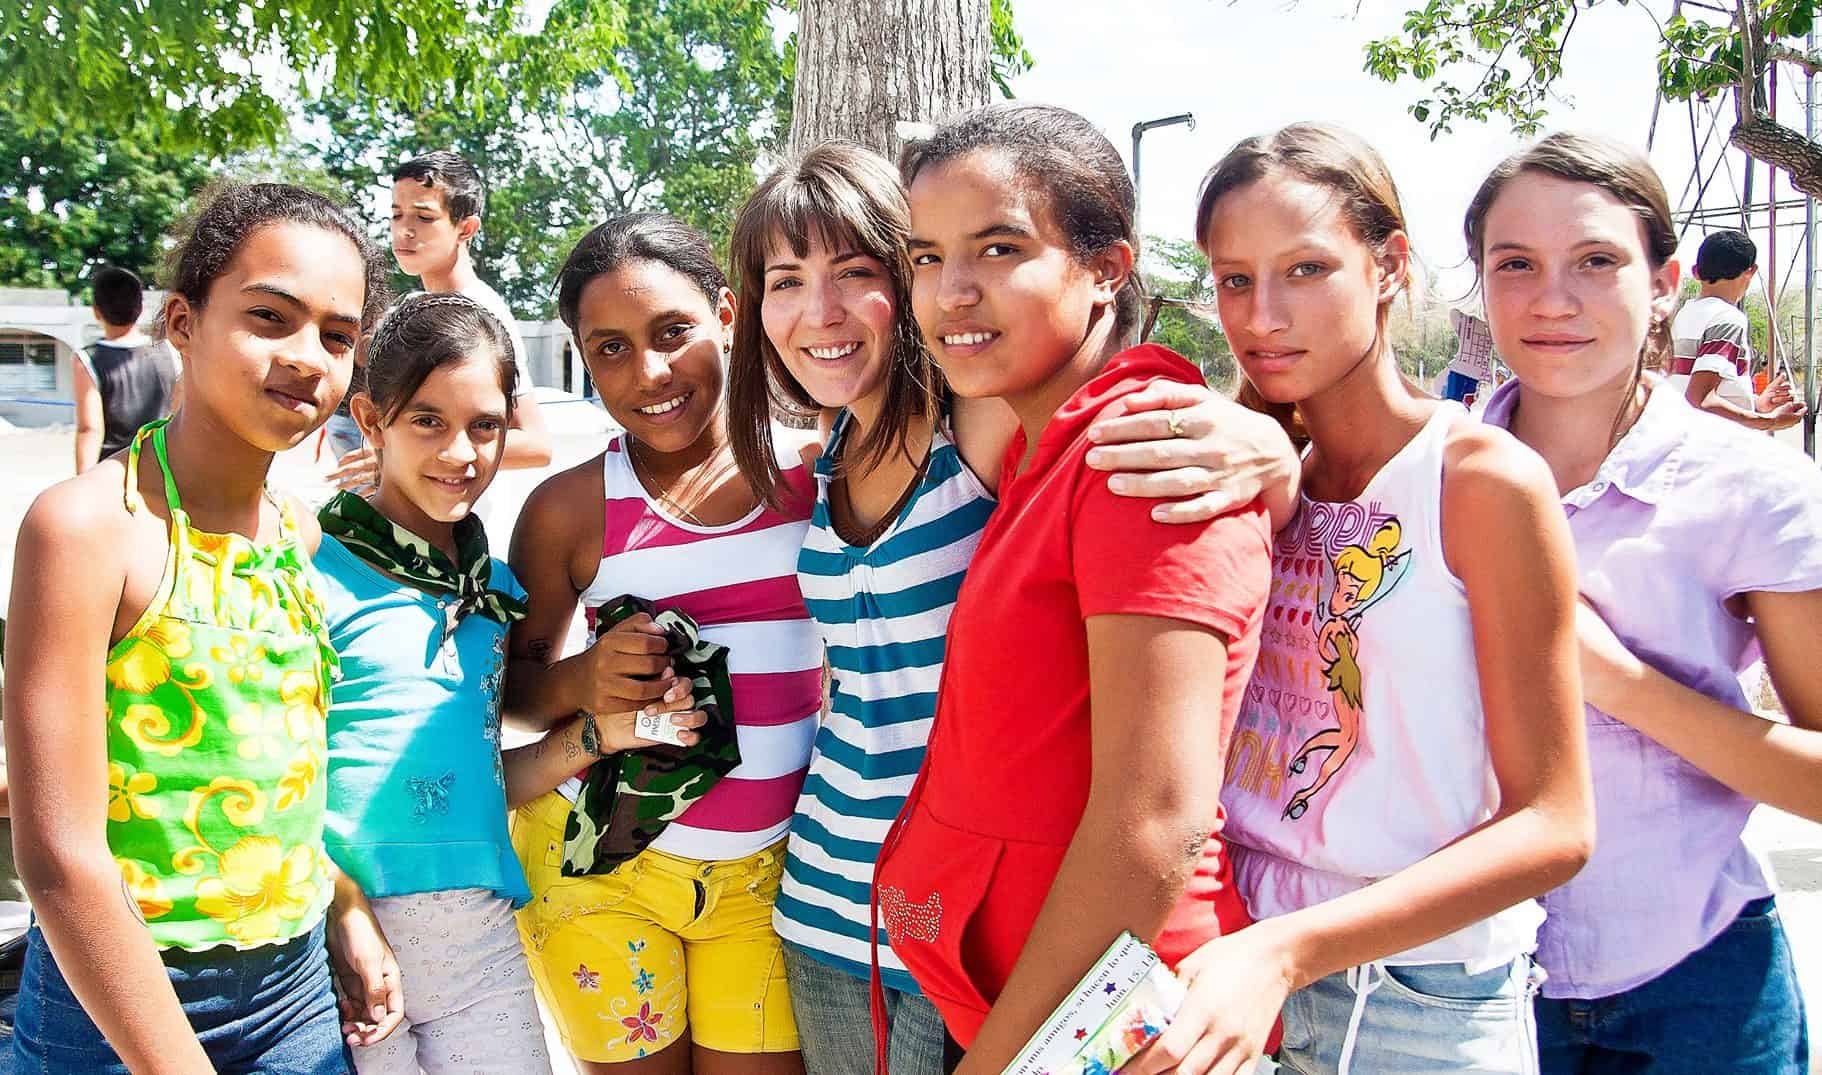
{"points": [[1732, 1006], [1415, 1020], [10, 964], [835, 1022], [268, 1010]]}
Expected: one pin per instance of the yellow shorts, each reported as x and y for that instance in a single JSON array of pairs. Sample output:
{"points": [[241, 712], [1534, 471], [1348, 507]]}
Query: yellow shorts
{"points": [[628, 961]]}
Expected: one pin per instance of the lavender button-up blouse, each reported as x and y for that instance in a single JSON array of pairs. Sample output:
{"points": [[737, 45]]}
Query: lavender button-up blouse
{"points": [[1687, 511]]}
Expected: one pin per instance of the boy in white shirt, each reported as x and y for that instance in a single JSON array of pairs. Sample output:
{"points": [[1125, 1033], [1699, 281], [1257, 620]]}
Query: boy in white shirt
{"points": [[437, 201]]}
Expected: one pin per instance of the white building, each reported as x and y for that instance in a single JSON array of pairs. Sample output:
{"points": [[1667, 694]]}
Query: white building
{"points": [[41, 329]]}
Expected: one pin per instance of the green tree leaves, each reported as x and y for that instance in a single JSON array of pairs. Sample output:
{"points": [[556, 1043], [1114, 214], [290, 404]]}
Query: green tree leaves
{"points": [[215, 74], [76, 197], [112, 114]]}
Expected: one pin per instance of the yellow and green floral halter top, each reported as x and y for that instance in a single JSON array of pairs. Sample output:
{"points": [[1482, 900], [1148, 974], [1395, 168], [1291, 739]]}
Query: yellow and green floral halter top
{"points": [[216, 704]]}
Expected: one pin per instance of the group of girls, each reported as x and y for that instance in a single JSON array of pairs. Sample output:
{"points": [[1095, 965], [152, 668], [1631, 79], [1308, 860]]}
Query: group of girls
{"points": [[884, 732]]}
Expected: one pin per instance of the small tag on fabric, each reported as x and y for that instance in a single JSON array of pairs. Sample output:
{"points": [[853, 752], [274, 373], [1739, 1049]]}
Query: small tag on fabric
{"points": [[657, 727]]}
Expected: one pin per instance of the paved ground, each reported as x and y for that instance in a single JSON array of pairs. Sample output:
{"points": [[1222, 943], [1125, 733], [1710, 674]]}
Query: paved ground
{"points": [[33, 459]]}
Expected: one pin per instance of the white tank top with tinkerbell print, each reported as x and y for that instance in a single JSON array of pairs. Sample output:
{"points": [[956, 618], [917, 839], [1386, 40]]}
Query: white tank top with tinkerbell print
{"points": [[1361, 747]]}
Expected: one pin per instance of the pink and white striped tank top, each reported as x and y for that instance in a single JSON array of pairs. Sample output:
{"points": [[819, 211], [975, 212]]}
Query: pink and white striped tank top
{"points": [[739, 582]]}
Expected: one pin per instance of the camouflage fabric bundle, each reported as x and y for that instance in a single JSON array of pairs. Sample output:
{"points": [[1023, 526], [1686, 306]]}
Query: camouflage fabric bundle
{"points": [[628, 798]]}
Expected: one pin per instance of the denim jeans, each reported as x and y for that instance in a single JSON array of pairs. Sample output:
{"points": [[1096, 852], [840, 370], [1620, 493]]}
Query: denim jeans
{"points": [[1413, 1020], [1732, 1006], [11, 961], [835, 1022], [268, 1010]]}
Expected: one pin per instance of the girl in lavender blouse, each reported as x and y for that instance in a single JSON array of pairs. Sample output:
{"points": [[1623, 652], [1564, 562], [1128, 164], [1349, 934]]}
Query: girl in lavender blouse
{"points": [[1700, 547]]}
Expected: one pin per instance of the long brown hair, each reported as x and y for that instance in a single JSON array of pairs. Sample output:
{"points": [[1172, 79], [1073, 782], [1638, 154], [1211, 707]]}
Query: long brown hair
{"points": [[1328, 156], [1620, 171], [849, 198]]}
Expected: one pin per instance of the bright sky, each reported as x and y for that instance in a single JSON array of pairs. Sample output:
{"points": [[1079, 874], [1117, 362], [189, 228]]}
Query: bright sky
{"points": [[1250, 66]]}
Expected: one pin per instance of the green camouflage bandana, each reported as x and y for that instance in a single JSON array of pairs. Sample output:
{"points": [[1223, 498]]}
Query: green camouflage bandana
{"points": [[402, 554], [629, 797]]}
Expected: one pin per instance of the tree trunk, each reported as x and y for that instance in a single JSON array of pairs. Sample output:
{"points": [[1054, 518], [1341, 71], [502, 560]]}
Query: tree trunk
{"points": [[864, 66], [1784, 149]]}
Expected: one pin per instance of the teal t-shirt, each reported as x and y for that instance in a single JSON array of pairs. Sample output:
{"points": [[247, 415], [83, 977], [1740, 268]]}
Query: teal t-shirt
{"points": [[417, 801]]}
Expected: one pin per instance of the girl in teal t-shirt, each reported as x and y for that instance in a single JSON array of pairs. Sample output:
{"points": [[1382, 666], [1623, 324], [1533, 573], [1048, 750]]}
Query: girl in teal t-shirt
{"points": [[418, 612]]}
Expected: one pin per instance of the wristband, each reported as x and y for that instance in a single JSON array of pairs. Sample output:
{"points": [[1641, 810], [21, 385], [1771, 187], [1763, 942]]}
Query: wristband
{"points": [[591, 736]]}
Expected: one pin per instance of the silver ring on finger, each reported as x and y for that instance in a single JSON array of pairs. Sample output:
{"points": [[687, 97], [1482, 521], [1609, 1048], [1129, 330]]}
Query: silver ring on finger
{"points": [[1173, 421]]}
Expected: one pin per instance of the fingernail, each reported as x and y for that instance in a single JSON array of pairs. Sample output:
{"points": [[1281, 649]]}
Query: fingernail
{"points": [[1094, 434], [1120, 483], [1095, 455]]}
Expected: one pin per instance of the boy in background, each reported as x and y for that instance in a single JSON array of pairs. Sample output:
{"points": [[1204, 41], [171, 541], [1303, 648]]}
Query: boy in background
{"points": [[123, 380], [437, 202], [1712, 366]]}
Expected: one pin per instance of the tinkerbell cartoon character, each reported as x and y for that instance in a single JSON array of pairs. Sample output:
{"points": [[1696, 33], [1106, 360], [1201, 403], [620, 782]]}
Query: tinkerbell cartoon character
{"points": [[1359, 576]]}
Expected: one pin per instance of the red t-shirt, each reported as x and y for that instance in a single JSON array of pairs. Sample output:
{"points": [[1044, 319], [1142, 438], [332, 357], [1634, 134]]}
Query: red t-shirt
{"points": [[1006, 775]]}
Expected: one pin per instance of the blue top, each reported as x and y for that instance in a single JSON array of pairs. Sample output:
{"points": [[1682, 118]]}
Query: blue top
{"points": [[882, 612], [417, 799]]}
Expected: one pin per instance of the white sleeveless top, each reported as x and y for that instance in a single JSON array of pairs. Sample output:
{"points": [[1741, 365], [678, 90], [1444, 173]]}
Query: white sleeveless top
{"points": [[1361, 746]]}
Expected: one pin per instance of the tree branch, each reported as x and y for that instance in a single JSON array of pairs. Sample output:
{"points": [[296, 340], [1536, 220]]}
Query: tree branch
{"points": [[1799, 158], [1746, 97], [1810, 62]]}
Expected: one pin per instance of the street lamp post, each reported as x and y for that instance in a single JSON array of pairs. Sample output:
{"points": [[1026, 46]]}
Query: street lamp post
{"points": [[1138, 132]]}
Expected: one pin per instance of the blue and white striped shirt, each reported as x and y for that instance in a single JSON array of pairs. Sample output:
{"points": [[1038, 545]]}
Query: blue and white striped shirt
{"points": [[883, 612]]}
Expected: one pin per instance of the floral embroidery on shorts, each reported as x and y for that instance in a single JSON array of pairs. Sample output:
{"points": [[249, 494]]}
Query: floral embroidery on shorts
{"points": [[643, 981], [586, 980], [644, 1025]]}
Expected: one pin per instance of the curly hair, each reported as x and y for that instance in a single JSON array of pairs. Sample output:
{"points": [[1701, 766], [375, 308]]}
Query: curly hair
{"points": [[227, 213]]}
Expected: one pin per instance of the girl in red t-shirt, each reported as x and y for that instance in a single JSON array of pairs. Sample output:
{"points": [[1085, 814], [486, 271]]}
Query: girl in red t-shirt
{"points": [[1095, 656]]}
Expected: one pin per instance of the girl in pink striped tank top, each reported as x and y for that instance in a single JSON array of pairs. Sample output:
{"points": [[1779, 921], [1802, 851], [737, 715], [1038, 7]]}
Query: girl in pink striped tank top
{"points": [[656, 951]]}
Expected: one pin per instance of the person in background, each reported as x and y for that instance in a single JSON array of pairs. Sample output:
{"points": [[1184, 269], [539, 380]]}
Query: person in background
{"points": [[437, 203], [1712, 366], [123, 380], [1471, 370]]}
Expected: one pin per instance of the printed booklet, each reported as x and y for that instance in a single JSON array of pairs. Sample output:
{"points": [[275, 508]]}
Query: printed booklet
{"points": [[1127, 998]]}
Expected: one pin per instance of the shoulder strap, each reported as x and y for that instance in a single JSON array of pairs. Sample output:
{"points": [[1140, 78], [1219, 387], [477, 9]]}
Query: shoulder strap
{"points": [[172, 503], [831, 452], [133, 500]]}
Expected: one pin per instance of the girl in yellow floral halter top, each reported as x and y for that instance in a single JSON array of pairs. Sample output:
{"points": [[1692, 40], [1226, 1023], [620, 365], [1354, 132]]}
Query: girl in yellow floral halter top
{"points": [[216, 706], [169, 681]]}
